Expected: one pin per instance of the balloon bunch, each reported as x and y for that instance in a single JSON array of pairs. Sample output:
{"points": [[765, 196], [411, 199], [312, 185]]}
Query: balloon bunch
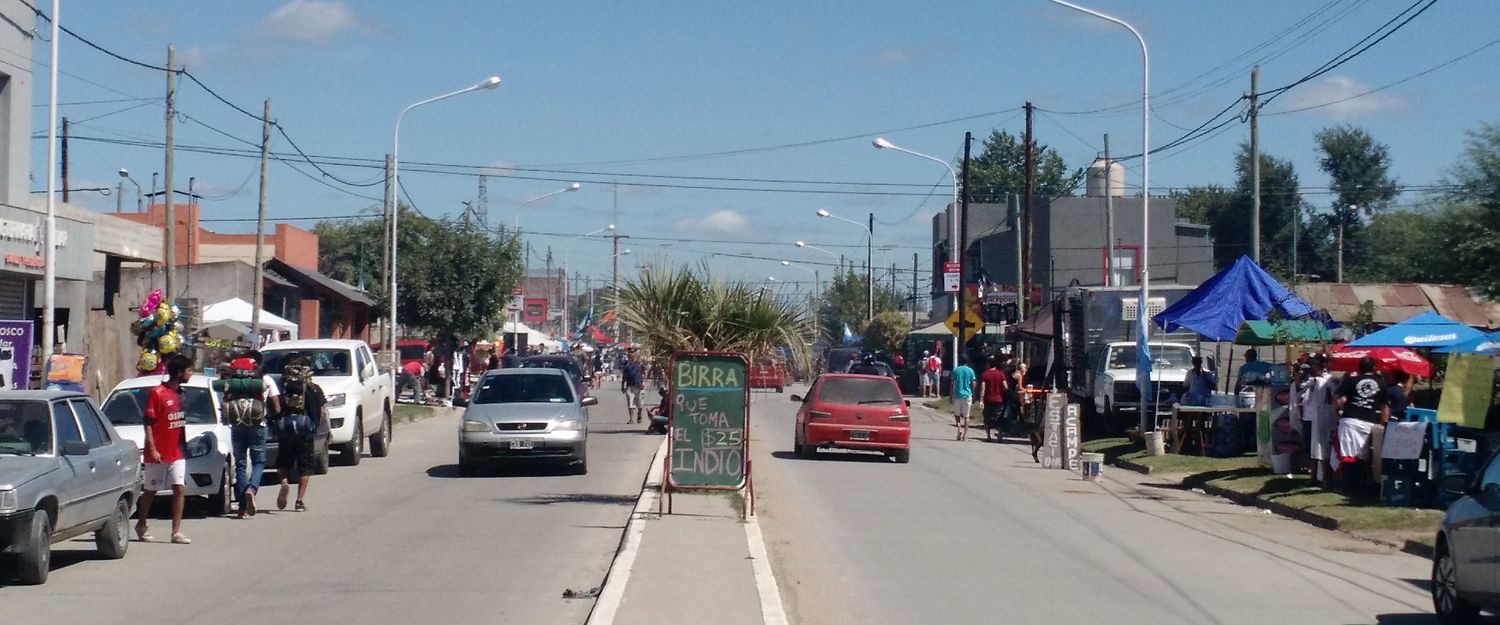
{"points": [[157, 332]]}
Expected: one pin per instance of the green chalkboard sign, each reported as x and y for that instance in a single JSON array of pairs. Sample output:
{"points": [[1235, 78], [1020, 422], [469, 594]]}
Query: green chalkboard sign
{"points": [[709, 421]]}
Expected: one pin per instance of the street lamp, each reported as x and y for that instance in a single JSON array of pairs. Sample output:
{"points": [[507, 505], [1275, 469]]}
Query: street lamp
{"points": [[567, 293], [814, 247], [125, 175], [1143, 326], [954, 246], [487, 84], [816, 294], [568, 189], [869, 259]]}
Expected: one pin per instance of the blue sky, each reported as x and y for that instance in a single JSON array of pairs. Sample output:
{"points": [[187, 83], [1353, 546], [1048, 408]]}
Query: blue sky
{"points": [[597, 91]]}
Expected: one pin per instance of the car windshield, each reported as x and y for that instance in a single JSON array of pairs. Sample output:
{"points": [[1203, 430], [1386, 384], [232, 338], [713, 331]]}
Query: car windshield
{"points": [[1162, 356], [25, 428], [858, 391], [127, 406], [524, 389], [331, 362]]}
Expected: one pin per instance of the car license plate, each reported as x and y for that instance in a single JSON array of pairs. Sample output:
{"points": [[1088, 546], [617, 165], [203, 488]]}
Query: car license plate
{"points": [[859, 435], [522, 444]]}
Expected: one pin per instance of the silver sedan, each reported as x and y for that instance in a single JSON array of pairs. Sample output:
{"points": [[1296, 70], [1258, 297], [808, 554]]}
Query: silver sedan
{"points": [[525, 415]]}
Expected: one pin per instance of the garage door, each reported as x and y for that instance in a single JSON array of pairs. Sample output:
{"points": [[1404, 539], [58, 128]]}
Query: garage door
{"points": [[13, 298]]}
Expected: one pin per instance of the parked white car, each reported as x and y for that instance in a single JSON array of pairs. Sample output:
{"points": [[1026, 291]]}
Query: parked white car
{"points": [[1112, 381], [210, 469], [360, 396]]}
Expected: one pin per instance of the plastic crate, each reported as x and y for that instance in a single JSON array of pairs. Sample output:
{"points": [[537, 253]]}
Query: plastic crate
{"points": [[1424, 415], [1405, 493], [1410, 469], [1448, 462]]}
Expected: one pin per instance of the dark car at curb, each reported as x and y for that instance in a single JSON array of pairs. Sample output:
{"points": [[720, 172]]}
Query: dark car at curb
{"points": [[1466, 559], [64, 472]]}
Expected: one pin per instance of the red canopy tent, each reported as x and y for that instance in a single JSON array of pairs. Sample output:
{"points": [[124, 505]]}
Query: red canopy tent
{"points": [[1386, 359]]}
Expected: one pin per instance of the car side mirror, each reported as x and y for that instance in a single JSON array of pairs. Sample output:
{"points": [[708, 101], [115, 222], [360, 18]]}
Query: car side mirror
{"points": [[590, 401], [75, 448], [1455, 484], [797, 398], [908, 403]]}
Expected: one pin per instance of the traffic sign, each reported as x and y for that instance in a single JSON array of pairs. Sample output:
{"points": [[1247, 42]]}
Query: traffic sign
{"points": [[951, 277], [975, 324]]}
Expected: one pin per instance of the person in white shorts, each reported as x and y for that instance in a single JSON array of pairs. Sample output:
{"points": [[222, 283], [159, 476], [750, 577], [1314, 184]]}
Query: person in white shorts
{"points": [[166, 465]]}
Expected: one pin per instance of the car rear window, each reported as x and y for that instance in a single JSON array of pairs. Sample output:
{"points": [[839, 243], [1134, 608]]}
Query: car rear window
{"points": [[858, 391], [523, 389]]}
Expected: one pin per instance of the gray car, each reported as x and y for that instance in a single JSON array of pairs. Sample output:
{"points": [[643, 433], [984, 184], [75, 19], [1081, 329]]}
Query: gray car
{"points": [[525, 415], [64, 472], [1466, 565]]}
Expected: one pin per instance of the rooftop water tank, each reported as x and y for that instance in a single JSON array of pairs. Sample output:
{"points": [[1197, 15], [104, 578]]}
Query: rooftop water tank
{"points": [[1095, 186]]}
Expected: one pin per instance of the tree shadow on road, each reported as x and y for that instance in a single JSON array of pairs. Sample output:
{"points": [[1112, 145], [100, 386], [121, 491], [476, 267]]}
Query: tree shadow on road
{"points": [[450, 471], [587, 498]]}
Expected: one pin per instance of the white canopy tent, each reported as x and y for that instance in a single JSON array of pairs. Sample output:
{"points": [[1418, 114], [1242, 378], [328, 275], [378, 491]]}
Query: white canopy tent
{"points": [[533, 337], [232, 318]]}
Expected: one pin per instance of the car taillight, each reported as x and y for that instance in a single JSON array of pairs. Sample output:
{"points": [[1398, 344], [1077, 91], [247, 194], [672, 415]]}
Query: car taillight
{"points": [[900, 417], [819, 414]]}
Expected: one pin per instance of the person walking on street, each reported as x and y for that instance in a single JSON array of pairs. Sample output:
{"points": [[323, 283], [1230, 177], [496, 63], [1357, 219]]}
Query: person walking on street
{"points": [[302, 404], [929, 366], [993, 385], [963, 396], [166, 466], [511, 360], [249, 397], [633, 381]]}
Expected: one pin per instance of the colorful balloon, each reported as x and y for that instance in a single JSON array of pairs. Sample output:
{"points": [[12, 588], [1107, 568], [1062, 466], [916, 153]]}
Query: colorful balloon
{"points": [[149, 305], [148, 362], [168, 343]]}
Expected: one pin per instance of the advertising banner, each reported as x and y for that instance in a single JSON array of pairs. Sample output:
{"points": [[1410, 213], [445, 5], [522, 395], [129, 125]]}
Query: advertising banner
{"points": [[534, 310], [16, 338]]}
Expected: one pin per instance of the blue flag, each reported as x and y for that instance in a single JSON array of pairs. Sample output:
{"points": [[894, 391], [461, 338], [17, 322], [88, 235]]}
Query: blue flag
{"points": [[1142, 346]]}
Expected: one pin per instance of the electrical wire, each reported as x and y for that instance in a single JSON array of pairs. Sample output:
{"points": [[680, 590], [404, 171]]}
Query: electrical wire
{"points": [[1415, 76]]}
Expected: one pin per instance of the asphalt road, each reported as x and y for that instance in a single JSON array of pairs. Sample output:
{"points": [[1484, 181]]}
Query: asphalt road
{"points": [[974, 532], [401, 539]]}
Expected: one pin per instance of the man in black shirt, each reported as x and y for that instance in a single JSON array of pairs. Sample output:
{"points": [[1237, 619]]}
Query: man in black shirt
{"points": [[1362, 406]]}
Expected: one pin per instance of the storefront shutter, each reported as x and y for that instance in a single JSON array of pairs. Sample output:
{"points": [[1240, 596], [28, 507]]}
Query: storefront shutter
{"points": [[13, 298]]}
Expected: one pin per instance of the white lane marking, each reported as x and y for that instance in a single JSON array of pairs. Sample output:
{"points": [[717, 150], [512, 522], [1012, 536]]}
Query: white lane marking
{"points": [[618, 575], [771, 610]]}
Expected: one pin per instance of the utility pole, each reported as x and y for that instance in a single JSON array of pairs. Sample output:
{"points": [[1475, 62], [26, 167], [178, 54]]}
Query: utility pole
{"points": [[914, 290], [551, 288], [963, 253], [614, 288], [260, 224], [385, 248], [1027, 253], [1254, 164], [482, 203], [1109, 217], [870, 271], [65, 160], [171, 251]]}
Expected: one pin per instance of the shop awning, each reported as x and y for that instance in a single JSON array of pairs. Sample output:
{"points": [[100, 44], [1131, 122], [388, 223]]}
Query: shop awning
{"points": [[1259, 332], [1425, 330]]}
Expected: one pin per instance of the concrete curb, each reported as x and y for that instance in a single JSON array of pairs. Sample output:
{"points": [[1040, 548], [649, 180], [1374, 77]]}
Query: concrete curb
{"points": [[1311, 518], [612, 591]]}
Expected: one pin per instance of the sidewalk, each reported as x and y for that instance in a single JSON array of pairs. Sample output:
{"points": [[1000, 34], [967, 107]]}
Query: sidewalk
{"points": [[692, 566]]}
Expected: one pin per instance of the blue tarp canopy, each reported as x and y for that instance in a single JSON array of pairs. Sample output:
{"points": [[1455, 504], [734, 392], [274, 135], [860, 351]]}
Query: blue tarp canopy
{"points": [[1428, 329], [1486, 344], [1242, 292]]}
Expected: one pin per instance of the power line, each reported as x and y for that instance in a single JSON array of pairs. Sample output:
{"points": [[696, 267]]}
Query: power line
{"points": [[1392, 84]]}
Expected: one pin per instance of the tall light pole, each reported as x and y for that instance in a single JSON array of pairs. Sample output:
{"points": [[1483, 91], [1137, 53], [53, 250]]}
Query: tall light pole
{"points": [[816, 294], [487, 84], [125, 174], [568, 189], [954, 246], [814, 247], [49, 244], [567, 297], [869, 260], [1143, 325]]}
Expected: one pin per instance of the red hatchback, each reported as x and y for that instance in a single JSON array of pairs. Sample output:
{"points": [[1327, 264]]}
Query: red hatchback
{"points": [[850, 411], [767, 374]]}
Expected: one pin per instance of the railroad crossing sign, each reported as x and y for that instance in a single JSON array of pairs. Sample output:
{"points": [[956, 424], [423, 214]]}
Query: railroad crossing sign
{"points": [[973, 324]]}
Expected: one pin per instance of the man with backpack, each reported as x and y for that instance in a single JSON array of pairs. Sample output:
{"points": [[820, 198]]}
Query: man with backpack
{"points": [[302, 404], [930, 365], [249, 396]]}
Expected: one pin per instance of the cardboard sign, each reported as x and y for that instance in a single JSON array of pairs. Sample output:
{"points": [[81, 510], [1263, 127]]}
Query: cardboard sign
{"points": [[1466, 390], [1070, 433], [708, 432], [1052, 431]]}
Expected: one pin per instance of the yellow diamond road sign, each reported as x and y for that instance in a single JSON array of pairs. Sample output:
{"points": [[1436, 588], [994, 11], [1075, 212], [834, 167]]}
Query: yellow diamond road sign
{"points": [[973, 320]]}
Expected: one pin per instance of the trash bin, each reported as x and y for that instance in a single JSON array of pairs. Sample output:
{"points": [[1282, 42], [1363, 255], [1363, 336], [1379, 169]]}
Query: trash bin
{"points": [[1092, 465], [1155, 444]]}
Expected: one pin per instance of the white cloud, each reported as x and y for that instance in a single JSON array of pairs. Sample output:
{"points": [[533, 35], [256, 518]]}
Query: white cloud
{"points": [[720, 222], [1339, 93], [192, 57], [311, 21]]}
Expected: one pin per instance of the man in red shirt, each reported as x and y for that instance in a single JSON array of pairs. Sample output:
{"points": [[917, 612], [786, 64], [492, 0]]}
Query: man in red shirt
{"points": [[165, 463], [993, 382]]}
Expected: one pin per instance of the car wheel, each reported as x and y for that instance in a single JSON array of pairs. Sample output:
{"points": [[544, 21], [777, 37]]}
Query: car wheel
{"points": [[351, 453], [114, 537], [33, 564], [466, 468], [582, 466], [807, 451], [323, 461], [1450, 607], [380, 443], [901, 456], [219, 502]]}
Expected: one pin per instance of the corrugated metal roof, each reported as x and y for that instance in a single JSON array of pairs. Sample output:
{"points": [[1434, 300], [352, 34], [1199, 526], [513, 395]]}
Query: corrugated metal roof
{"points": [[1398, 302]]}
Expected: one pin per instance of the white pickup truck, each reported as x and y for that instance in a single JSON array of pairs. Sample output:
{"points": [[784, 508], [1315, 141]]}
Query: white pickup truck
{"points": [[360, 396], [1111, 381]]}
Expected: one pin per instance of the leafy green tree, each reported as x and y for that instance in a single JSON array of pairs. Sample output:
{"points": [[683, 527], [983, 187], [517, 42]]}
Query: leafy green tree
{"points": [[1470, 226], [887, 332], [1358, 170], [1401, 245], [1000, 168], [1227, 214], [845, 302], [351, 249]]}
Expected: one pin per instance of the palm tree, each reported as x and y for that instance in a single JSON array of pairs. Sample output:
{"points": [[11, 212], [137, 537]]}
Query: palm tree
{"points": [[674, 308]]}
